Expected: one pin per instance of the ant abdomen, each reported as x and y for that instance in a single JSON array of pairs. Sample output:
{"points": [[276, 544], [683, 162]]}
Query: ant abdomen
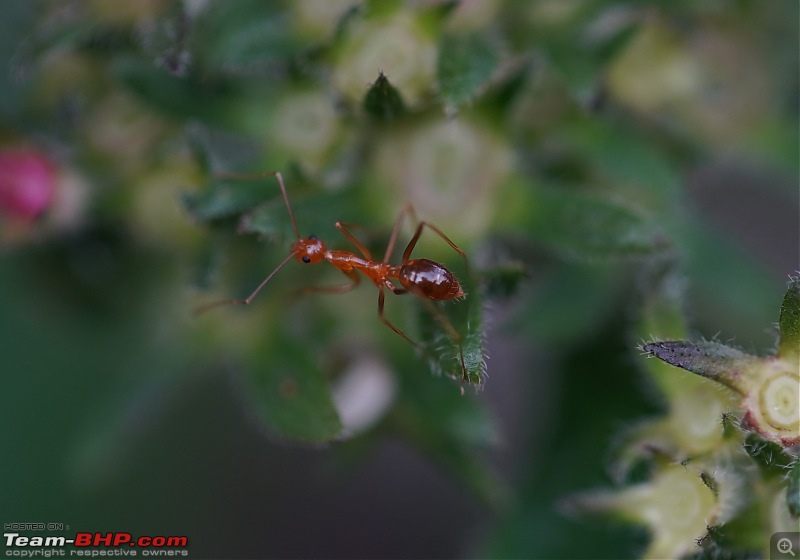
{"points": [[429, 280]]}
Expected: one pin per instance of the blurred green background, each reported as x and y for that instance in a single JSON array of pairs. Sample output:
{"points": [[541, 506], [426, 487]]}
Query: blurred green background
{"points": [[575, 150]]}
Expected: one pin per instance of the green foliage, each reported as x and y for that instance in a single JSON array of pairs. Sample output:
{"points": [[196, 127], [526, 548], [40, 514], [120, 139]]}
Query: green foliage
{"points": [[770, 456], [290, 394], [176, 97], [503, 280], [789, 324], [224, 198], [383, 101], [707, 358], [465, 65], [769, 392], [793, 490], [455, 430], [586, 227], [245, 37], [452, 334], [588, 157]]}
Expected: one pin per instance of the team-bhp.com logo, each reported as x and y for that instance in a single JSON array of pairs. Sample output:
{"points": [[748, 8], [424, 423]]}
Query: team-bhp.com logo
{"points": [[86, 544]]}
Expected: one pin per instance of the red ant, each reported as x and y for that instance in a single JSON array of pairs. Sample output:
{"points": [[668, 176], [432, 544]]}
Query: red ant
{"points": [[424, 278]]}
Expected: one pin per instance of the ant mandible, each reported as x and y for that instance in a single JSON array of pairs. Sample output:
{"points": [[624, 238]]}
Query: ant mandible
{"points": [[424, 278]]}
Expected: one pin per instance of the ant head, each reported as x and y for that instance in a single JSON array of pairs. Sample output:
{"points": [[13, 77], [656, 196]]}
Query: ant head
{"points": [[309, 250]]}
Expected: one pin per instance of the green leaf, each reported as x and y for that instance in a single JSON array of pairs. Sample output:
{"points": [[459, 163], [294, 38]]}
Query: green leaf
{"points": [[16, 21], [789, 324], [503, 280], [770, 456], [226, 198], [383, 101], [435, 14], [451, 329], [47, 39], [709, 359], [175, 97], [579, 49], [793, 490], [452, 429], [270, 220], [571, 301], [221, 151], [314, 214], [640, 171], [289, 392], [244, 37], [662, 318], [465, 64], [584, 226], [381, 8], [208, 258], [711, 260], [662, 305], [584, 389]]}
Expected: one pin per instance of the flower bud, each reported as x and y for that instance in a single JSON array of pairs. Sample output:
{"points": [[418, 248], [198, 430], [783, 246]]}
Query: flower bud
{"points": [[770, 387], [27, 183], [678, 506]]}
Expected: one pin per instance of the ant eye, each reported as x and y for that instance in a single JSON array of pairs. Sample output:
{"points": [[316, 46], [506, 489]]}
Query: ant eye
{"points": [[313, 237], [306, 259]]}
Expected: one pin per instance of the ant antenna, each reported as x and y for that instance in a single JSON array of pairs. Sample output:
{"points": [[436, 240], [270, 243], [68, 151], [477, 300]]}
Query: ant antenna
{"points": [[286, 200], [246, 301], [276, 174]]}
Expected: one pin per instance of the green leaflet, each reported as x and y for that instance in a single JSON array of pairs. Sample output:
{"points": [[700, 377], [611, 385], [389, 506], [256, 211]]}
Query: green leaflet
{"points": [[450, 329], [770, 456], [707, 358], [383, 101], [465, 65], [179, 98], [289, 393], [793, 490], [315, 215], [789, 324], [454, 430], [225, 199], [503, 280], [583, 226], [245, 37]]}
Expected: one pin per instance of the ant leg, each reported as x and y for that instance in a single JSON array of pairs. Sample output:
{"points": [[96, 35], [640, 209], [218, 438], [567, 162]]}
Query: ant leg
{"points": [[440, 317], [396, 230], [342, 226], [386, 321], [352, 274], [418, 233], [451, 331], [395, 290], [454, 335]]}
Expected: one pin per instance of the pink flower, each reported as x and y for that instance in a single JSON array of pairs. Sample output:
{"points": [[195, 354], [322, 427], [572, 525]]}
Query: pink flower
{"points": [[27, 183]]}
